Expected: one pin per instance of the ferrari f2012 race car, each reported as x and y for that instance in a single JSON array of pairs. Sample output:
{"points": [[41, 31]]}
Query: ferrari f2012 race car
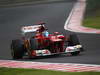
{"points": [[37, 41]]}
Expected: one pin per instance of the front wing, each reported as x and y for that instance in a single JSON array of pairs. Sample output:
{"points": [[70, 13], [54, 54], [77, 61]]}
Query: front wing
{"points": [[46, 52]]}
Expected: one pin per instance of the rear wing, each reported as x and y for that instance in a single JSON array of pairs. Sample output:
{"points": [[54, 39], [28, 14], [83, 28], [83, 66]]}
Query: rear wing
{"points": [[26, 29]]}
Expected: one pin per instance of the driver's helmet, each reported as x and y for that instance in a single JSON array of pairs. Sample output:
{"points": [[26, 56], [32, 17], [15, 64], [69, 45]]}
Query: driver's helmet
{"points": [[46, 33]]}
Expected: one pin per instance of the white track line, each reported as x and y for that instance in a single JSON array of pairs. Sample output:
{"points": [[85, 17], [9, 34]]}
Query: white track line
{"points": [[74, 21]]}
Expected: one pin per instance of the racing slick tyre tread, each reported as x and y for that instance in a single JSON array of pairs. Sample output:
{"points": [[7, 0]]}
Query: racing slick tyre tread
{"points": [[33, 44], [17, 49], [75, 53], [73, 40]]}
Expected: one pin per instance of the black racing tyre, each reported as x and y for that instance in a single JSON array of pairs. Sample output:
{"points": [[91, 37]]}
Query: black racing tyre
{"points": [[33, 44], [82, 49], [17, 49], [73, 40], [75, 53]]}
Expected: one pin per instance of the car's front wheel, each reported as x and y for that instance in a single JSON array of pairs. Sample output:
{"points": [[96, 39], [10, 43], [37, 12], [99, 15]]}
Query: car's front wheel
{"points": [[73, 40], [75, 53], [17, 49]]}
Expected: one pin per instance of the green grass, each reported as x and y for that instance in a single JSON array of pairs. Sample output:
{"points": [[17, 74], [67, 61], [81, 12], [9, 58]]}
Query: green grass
{"points": [[13, 71], [92, 15], [93, 21]]}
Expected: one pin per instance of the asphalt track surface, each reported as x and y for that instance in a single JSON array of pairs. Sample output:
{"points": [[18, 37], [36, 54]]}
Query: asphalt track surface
{"points": [[55, 15]]}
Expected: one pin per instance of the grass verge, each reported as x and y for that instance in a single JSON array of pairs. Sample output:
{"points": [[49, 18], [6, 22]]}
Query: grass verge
{"points": [[14, 71], [92, 15]]}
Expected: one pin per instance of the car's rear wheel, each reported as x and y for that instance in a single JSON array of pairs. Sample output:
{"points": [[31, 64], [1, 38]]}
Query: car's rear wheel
{"points": [[17, 49], [33, 44]]}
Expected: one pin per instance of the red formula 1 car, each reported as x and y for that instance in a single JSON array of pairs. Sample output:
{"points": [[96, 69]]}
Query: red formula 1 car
{"points": [[37, 41]]}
